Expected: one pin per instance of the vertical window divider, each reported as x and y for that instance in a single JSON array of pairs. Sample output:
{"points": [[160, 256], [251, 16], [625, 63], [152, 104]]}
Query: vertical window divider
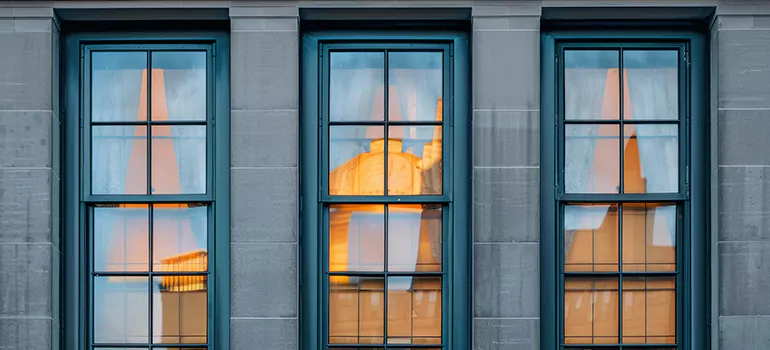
{"points": [[149, 124], [385, 270], [150, 265], [386, 118], [622, 187], [620, 274]]}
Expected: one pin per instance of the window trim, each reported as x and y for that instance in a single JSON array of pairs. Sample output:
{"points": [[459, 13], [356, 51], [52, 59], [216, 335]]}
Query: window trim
{"points": [[312, 198], [74, 295], [695, 250]]}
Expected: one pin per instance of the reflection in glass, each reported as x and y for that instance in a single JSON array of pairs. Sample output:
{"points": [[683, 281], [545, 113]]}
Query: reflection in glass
{"points": [[120, 309], [179, 85], [591, 310], [117, 84], [414, 310], [414, 160], [652, 90], [119, 160], [356, 238], [415, 86], [649, 237], [121, 238], [179, 238], [414, 238], [651, 158], [649, 310], [179, 314], [592, 159], [356, 160], [356, 310], [356, 86], [591, 238], [178, 159], [591, 84]]}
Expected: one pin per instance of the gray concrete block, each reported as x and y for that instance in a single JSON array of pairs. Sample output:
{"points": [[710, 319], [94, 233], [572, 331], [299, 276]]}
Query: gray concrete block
{"points": [[743, 278], [264, 138], [744, 333], [263, 280], [252, 24], [25, 280], [25, 205], [506, 280], [264, 205], [496, 8], [506, 138], [25, 333], [25, 71], [25, 139], [264, 70], [506, 334], [506, 70], [517, 23], [506, 204], [743, 68], [744, 204], [56, 285], [742, 137], [263, 334], [55, 211]]}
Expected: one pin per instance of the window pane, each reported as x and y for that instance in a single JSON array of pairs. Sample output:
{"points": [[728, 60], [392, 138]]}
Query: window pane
{"points": [[591, 310], [652, 90], [179, 313], [649, 310], [118, 84], [414, 80], [120, 309], [649, 237], [414, 238], [179, 85], [414, 310], [178, 159], [414, 160], [592, 159], [121, 238], [356, 86], [356, 237], [651, 158], [356, 310], [179, 237], [357, 161], [591, 84], [591, 238], [119, 160]]}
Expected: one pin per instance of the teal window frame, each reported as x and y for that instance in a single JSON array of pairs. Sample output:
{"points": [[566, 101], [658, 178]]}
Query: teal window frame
{"points": [[77, 201], [314, 178], [691, 199]]}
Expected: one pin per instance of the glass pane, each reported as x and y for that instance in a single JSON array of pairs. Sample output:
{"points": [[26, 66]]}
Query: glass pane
{"points": [[591, 84], [414, 238], [651, 158], [178, 159], [649, 310], [121, 238], [356, 160], [592, 159], [591, 310], [118, 86], [356, 310], [414, 80], [120, 309], [179, 313], [356, 86], [119, 160], [179, 237], [414, 160], [652, 90], [179, 85], [356, 237], [591, 238], [649, 237], [414, 310]]}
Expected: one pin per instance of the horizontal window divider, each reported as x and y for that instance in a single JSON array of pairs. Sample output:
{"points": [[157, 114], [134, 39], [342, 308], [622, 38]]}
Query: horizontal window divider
{"points": [[624, 273], [151, 274], [152, 122], [146, 345], [618, 346], [619, 121], [390, 122], [588, 198], [391, 345], [388, 274], [385, 199], [148, 199]]}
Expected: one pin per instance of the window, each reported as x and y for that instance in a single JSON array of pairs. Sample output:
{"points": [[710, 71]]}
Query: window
{"points": [[147, 199], [622, 228], [387, 195]]}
